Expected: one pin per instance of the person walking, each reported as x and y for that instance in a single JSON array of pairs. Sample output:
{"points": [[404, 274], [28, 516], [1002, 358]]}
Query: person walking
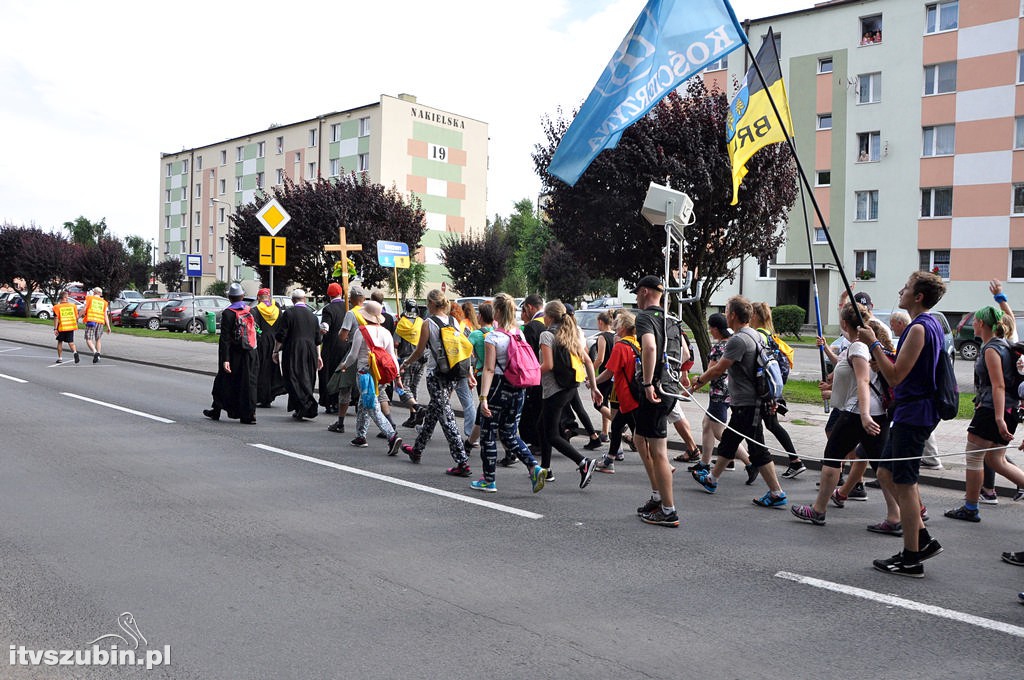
{"points": [[600, 353], [347, 390], [619, 373], [97, 317], [234, 388], [407, 338], [533, 325], [297, 351], [65, 323], [269, 382], [332, 349]]}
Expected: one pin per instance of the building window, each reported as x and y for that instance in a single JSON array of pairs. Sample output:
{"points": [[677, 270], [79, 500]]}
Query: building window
{"points": [[869, 88], [211, 232], [824, 121], [238, 272], [718, 64], [182, 247], [869, 147], [865, 265], [224, 157], [167, 195], [820, 236], [825, 65], [935, 261], [280, 176], [940, 78], [220, 244], [198, 246], [364, 127], [220, 272], [939, 140], [220, 215], [364, 162], [335, 167], [239, 153], [167, 221], [335, 132], [1018, 135], [942, 16], [280, 145], [222, 187], [199, 163], [867, 206], [311, 171], [261, 148], [238, 184], [823, 178], [1020, 67], [312, 137], [871, 30], [766, 268], [937, 202], [184, 167], [199, 190], [259, 180], [1018, 199], [169, 169], [1017, 264], [298, 156], [198, 218]]}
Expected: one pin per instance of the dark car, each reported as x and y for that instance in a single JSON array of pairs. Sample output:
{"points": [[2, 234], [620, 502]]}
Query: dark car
{"points": [[143, 314], [967, 343], [116, 308], [189, 314]]}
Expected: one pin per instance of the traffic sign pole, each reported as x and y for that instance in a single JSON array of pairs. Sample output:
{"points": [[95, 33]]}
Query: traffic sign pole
{"points": [[273, 217]]}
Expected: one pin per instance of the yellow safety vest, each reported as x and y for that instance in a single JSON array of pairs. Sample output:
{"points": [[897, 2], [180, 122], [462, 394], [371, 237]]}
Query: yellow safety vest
{"points": [[67, 316], [95, 309]]}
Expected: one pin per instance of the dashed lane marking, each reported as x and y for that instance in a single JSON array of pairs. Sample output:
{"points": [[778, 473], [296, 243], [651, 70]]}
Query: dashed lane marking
{"points": [[117, 408]]}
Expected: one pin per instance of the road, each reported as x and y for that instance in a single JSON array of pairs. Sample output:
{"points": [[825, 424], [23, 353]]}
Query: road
{"points": [[275, 551]]}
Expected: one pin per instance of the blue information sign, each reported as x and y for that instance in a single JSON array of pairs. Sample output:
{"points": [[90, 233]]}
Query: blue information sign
{"points": [[193, 265], [387, 251]]}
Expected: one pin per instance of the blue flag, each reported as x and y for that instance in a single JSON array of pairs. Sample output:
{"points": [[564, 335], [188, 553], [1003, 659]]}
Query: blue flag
{"points": [[670, 41]]}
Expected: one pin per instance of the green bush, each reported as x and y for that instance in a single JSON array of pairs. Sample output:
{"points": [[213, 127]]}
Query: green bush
{"points": [[788, 319], [217, 288]]}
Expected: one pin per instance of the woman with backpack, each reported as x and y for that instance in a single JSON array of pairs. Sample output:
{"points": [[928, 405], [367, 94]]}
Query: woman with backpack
{"points": [[463, 390], [564, 364], [501, 402], [441, 380], [600, 353], [617, 374]]}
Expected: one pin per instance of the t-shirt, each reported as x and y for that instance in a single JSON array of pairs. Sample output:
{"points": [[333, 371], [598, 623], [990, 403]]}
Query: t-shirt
{"points": [[844, 382], [477, 340], [718, 389], [914, 405], [500, 342], [548, 384], [622, 364], [360, 352], [741, 349], [651, 321], [434, 339]]}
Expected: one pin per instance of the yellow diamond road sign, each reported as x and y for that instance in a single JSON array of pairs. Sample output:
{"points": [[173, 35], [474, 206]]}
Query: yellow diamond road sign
{"points": [[272, 216]]}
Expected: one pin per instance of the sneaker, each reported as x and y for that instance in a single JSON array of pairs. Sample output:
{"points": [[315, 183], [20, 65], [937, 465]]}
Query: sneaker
{"points": [[808, 514], [857, 493], [660, 518], [96, 358], [411, 452], [381, 435], [484, 485], [794, 470], [838, 499], [753, 472], [593, 444], [336, 426], [59, 361], [768, 500], [460, 470], [620, 456], [77, 359], [895, 565], [1017, 497], [508, 461], [411, 420], [929, 465], [628, 441], [1016, 558], [701, 477], [550, 475], [587, 471], [651, 505], [421, 415], [873, 484], [989, 498], [886, 527], [607, 468], [603, 438], [929, 550], [537, 478], [963, 513], [212, 413], [394, 444], [359, 442]]}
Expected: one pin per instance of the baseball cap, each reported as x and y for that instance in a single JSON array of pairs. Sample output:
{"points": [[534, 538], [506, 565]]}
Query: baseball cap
{"points": [[862, 298], [333, 289], [650, 281], [356, 291]]}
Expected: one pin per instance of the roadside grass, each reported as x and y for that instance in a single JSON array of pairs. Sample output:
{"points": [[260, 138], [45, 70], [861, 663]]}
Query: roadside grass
{"points": [[806, 392], [118, 330]]}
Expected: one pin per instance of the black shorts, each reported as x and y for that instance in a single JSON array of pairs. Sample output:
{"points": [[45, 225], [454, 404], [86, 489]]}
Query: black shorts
{"points": [[983, 424], [66, 336], [745, 421], [905, 441], [652, 419], [847, 433], [605, 389]]}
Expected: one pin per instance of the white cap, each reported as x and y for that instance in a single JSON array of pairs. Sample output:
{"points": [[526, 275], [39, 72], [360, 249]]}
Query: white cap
{"points": [[298, 294]]}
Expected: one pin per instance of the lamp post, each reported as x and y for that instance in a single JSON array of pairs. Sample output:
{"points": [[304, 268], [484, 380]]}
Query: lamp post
{"points": [[227, 243]]}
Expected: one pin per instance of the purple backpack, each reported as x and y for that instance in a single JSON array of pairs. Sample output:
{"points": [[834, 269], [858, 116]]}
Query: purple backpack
{"points": [[521, 368]]}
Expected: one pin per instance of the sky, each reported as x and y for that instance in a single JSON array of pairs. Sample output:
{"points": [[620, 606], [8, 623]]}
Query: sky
{"points": [[92, 92]]}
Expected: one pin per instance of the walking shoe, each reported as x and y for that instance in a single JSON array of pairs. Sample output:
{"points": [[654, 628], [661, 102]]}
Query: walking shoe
{"points": [[537, 478], [698, 466], [929, 550], [620, 456], [652, 504], [381, 435], [212, 413], [896, 565], [411, 420], [484, 485], [794, 469], [460, 470], [989, 498], [336, 426], [1017, 497], [857, 493], [873, 484], [359, 442], [752, 473], [393, 444], [411, 452], [660, 518], [808, 514], [550, 475], [421, 415], [76, 358], [628, 441], [508, 461], [607, 468], [587, 471], [931, 465], [96, 358], [886, 527], [603, 438], [964, 513], [58, 361], [768, 500], [730, 466], [593, 444], [1016, 558], [838, 499], [701, 477]]}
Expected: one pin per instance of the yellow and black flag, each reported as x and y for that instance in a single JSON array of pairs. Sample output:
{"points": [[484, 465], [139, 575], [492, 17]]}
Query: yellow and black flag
{"points": [[752, 124]]}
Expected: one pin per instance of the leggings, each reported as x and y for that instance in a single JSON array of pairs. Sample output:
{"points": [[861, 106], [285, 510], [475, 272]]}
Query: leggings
{"points": [[772, 424], [506, 405], [581, 413], [619, 423], [551, 429], [439, 410], [411, 380]]}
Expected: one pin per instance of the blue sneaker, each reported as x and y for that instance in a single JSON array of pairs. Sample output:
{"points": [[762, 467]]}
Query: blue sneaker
{"points": [[484, 485], [701, 477], [537, 477], [770, 501]]}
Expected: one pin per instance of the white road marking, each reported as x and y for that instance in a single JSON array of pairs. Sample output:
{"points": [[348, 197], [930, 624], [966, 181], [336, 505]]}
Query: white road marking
{"points": [[401, 482], [10, 349], [894, 601], [118, 408], [13, 379]]}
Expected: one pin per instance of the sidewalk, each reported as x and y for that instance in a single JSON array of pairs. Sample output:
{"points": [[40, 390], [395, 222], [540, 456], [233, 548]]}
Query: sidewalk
{"points": [[804, 422]]}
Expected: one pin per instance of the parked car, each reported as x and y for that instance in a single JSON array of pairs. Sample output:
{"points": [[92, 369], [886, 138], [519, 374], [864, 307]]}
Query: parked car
{"points": [[40, 306], [5, 299], [967, 344], [143, 314], [947, 332], [76, 292], [189, 314], [130, 295], [116, 308]]}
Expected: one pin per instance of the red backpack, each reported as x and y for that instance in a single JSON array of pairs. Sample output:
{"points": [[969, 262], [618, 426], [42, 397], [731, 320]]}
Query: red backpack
{"points": [[382, 365], [521, 367], [245, 328]]}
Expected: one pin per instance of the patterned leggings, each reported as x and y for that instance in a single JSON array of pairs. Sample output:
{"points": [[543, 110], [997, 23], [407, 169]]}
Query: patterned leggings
{"points": [[411, 378], [439, 410], [506, 404], [364, 415]]}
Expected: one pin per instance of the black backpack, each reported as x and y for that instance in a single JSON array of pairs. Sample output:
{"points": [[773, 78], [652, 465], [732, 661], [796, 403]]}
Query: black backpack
{"points": [[565, 374]]}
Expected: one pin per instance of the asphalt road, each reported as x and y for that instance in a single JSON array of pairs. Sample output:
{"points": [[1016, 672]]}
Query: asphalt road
{"points": [[309, 559]]}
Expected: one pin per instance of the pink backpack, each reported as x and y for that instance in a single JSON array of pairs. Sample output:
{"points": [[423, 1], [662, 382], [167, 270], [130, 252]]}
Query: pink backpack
{"points": [[521, 368]]}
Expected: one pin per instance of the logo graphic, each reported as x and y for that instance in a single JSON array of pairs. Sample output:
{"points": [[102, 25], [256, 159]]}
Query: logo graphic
{"points": [[632, 61], [126, 622], [118, 649], [736, 111]]}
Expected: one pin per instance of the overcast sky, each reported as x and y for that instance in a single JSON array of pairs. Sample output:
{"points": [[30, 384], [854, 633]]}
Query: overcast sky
{"points": [[92, 92]]}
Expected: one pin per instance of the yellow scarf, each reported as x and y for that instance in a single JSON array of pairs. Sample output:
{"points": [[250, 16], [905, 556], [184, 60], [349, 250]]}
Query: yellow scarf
{"points": [[269, 312]]}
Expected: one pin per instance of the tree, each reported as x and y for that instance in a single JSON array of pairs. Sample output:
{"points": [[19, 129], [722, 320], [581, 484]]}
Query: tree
{"points": [[367, 210], [43, 260], [86, 233], [565, 278], [140, 264], [680, 143], [105, 264], [170, 273], [477, 264], [413, 278], [528, 238]]}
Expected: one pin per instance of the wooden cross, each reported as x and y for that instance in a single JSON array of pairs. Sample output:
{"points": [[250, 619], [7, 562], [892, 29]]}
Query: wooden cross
{"points": [[344, 248]]}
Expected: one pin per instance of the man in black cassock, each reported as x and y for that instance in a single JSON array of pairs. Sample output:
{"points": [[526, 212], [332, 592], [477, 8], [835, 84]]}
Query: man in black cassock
{"points": [[296, 350], [333, 349], [270, 383], [234, 388]]}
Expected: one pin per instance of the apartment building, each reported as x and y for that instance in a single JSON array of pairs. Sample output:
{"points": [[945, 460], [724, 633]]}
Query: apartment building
{"points": [[438, 156], [909, 120]]}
